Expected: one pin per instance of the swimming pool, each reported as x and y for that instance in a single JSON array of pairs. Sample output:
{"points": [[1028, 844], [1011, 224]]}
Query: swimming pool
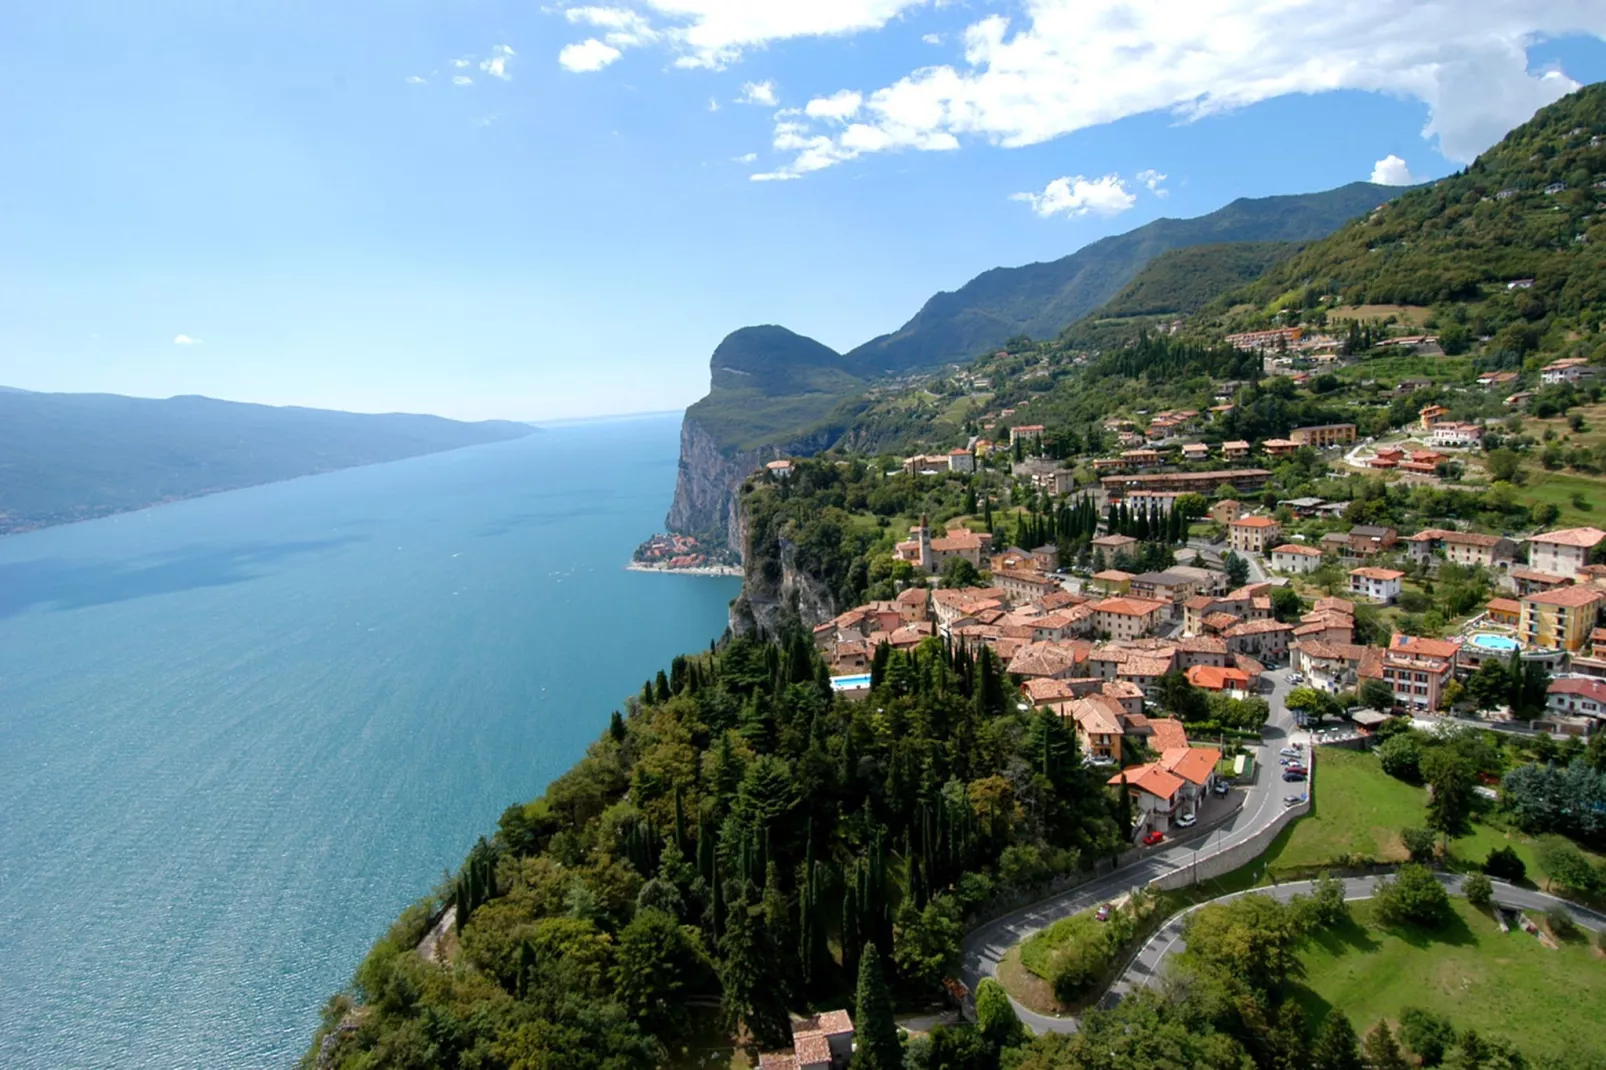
{"points": [[1503, 643], [850, 683]]}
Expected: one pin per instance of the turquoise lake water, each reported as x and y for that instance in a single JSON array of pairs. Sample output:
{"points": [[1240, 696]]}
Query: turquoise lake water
{"points": [[239, 734]]}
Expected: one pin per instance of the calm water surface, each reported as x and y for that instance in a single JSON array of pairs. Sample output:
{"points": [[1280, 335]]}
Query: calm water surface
{"points": [[238, 734]]}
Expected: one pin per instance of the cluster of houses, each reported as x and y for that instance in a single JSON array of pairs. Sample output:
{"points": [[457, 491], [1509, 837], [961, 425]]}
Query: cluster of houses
{"points": [[821, 1042]]}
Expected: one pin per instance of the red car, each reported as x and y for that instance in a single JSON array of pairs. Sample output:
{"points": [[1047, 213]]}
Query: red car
{"points": [[1153, 838]]}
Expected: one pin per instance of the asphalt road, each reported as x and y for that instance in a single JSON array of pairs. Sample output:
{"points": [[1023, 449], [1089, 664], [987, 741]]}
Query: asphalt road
{"points": [[1149, 963], [985, 947]]}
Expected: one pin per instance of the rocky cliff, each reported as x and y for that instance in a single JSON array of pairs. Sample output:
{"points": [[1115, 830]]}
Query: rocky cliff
{"points": [[706, 485], [777, 593]]}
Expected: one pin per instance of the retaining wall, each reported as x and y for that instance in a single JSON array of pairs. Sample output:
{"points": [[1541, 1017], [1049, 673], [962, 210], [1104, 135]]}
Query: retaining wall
{"points": [[1209, 867]]}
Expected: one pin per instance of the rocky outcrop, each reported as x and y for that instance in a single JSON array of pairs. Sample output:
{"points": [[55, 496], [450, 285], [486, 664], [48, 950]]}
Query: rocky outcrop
{"points": [[707, 485], [777, 594]]}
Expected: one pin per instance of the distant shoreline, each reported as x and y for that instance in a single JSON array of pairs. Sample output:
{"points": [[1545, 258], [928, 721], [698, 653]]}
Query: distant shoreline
{"points": [[699, 570]]}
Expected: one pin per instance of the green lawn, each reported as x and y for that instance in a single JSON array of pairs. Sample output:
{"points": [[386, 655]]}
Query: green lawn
{"points": [[1501, 984], [1559, 488], [1359, 810]]}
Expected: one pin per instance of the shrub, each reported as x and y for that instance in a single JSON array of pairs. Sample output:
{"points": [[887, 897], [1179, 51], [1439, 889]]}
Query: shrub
{"points": [[1420, 843], [1560, 922], [1414, 895], [1426, 1034], [1478, 889], [1401, 756], [1506, 864]]}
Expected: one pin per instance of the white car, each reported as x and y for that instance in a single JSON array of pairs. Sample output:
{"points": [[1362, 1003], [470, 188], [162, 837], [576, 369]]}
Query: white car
{"points": [[1296, 678], [1289, 752], [1185, 821]]}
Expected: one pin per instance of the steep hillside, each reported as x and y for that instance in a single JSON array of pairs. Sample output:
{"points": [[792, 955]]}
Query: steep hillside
{"points": [[76, 456], [1182, 281], [1041, 300], [1514, 247]]}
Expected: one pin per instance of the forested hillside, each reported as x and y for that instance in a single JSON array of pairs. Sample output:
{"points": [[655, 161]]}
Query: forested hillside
{"points": [[77, 456]]}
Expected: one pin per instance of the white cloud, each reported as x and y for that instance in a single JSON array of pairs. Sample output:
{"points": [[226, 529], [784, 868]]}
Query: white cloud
{"points": [[463, 61], [713, 105], [774, 176], [1152, 179], [761, 93], [484, 120], [414, 79], [840, 106], [747, 157], [715, 33], [497, 62], [1391, 171], [186, 340], [588, 55], [932, 38], [462, 79], [1066, 65], [1080, 196]]}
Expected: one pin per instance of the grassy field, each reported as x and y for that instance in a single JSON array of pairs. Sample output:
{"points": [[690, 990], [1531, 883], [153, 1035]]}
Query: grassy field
{"points": [[1559, 487], [1359, 810], [1501, 984]]}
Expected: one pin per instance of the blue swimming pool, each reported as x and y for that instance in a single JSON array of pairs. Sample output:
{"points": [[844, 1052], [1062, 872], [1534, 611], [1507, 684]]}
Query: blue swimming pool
{"points": [[850, 683], [1503, 643]]}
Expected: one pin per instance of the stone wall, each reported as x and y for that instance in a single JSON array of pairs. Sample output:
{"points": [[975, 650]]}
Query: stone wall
{"points": [[1211, 866]]}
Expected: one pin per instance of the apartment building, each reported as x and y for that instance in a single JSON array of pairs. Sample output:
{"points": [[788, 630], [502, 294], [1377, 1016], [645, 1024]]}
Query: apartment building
{"points": [[1253, 534]]}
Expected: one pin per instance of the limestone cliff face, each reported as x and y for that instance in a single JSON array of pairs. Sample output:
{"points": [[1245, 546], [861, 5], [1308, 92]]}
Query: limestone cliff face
{"points": [[707, 484], [777, 593]]}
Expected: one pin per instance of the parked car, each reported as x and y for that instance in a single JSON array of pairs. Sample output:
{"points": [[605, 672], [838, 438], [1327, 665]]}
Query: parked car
{"points": [[1186, 821], [1296, 678], [1103, 913], [1221, 787], [1295, 767], [1293, 800], [1289, 752], [1291, 777], [1153, 838]]}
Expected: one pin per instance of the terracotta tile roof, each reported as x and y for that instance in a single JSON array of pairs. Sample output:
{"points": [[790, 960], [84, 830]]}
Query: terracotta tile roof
{"points": [[1060, 600], [1129, 607], [1042, 690], [1459, 538], [913, 596], [1427, 648], [1377, 573], [1594, 689], [1254, 522], [1041, 659], [1567, 597], [777, 1060], [1534, 575], [1150, 778], [1295, 548], [1202, 644], [1503, 605], [1141, 666], [1120, 689], [1248, 665], [1215, 678], [1193, 764], [1113, 575], [812, 1048], [1221, 621], [1095, 715], [1583, 537], [834, 1023], [1167, 732], [1198, 602], [1258, 627], [1339, 605]]}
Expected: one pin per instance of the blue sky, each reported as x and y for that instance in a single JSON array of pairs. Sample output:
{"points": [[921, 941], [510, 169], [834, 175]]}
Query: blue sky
{"points": [[293, 203]]}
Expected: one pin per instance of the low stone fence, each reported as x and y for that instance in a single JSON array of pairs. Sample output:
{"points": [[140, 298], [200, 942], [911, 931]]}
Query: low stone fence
{"points": [[1224, 861]]}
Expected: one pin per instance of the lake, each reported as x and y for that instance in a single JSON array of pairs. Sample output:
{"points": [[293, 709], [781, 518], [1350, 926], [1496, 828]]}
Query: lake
{"points": [[238, 734]]}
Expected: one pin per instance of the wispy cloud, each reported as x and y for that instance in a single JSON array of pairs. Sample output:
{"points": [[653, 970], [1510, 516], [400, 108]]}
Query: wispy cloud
{"points": [[1079, 196], [186, 340], [462, 79], [932, 38], [1391, 171], [760, 93], [496, 64], [713, 104], [1152, 179], [747, 157], [417, 79]]}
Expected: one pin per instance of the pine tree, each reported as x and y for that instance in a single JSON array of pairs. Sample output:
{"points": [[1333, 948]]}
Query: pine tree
{"points": [[877, 1046], [1382, 1051], [1336, 1047]]}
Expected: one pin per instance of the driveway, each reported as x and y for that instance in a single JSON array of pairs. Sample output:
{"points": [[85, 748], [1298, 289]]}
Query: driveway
{"points": [[984, 948]]}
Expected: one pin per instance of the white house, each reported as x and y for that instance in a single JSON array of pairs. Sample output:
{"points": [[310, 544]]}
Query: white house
{"points": [[961, 461], [1450, 433], [1292, 557], [1572, 697], [1376, 584]]}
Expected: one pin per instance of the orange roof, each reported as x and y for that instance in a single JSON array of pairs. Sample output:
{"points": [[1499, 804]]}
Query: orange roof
{"points": [[1113, 575], [1193, 764], [1567, 597], [1431, 648], [1255, 522], [1168, 733], [1214, 678], [1096, 715], [1377, 573], [1504, 605], [1295, 548], [1129, 607], [1150, 778], [1584, 537], [1144, 666]]}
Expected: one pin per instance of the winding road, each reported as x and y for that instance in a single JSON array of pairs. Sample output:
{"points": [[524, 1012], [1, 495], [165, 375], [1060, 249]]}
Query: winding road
{"points": [[1147, 965], [984, 948]]}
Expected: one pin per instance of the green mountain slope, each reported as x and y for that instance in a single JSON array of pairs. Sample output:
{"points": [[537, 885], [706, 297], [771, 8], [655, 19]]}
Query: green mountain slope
{"points": [[66, 457], [768, 378], [1182, 281], [1529, 208], [1043, 299]]}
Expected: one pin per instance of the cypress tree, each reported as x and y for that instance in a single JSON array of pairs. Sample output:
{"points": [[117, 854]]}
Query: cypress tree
{"points": [[1336, 1047], [616, 727], [680, 821], [876, 1044]]}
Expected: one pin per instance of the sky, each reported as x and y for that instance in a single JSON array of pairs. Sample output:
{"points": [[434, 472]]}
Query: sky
{"points": [[543, 209]]}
